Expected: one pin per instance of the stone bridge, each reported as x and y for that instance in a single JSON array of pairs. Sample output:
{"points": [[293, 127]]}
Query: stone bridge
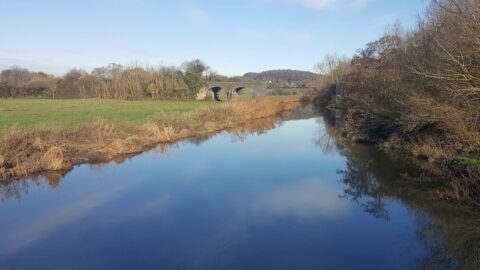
{"points": [[234, 88]]}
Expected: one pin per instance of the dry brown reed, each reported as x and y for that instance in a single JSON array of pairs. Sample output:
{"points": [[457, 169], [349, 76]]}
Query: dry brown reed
{"points": [[41, 150]]}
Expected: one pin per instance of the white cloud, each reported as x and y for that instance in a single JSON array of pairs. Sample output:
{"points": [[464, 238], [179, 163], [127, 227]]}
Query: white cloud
{"points": [[326, 4], [196, 169], [150, 208], [294, 151], [196, 15], [309, 198], [294, 36], [127, 2], [319, 4]]}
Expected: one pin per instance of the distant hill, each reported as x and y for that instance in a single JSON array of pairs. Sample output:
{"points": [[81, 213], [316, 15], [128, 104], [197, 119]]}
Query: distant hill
{"points": [[285, 75]]}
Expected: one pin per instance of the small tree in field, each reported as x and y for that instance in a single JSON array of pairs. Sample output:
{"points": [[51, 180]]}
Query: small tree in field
{"points": [[193, 71]]}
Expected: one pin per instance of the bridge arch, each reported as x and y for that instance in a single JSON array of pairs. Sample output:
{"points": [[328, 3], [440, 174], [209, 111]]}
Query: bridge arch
{"points": [[233, 89]]}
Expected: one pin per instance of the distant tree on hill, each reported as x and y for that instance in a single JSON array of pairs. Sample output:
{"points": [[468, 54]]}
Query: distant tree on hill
{"points": [[282, 75]]}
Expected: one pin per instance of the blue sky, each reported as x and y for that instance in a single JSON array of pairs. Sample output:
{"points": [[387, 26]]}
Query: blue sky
{"points": [[232, 36]]}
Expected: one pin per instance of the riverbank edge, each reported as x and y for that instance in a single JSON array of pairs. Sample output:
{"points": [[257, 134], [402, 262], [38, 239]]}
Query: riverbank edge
{"points": [[58, 150], [457, 182]]}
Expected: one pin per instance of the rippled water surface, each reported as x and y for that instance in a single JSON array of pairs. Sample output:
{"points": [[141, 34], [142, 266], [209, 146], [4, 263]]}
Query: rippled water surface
{"points": [[293, 197]]}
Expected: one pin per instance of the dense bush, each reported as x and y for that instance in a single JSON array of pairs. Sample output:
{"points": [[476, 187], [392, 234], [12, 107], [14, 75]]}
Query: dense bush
{"points": [[418, 90]]}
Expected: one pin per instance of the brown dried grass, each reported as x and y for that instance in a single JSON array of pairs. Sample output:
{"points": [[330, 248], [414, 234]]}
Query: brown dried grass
{"points": [[49, 149]]}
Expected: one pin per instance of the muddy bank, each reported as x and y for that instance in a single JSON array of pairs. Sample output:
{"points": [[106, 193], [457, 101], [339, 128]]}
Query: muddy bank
{"points": [[47, 150]]}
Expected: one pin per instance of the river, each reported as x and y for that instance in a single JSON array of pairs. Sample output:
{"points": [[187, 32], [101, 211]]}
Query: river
{"points": [[285, 195]]}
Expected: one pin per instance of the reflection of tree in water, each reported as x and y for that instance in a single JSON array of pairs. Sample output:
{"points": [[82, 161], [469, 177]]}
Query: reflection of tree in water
{"points": [[263, 125], [15, 189], [258, 127], [451, 233], [364, 189], [323, 139], [198, 140], [306, 111]]}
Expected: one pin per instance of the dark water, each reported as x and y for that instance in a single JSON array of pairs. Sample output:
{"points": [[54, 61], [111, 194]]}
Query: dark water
{"points": [[295, 197]]}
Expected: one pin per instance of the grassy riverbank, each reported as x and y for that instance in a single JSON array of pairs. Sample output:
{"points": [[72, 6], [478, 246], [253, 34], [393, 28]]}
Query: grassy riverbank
{"points": [[44, 148], [28, 113]]}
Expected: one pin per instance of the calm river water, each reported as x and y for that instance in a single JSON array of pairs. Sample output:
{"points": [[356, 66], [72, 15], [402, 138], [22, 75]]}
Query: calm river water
{"points": [[291, 197]]}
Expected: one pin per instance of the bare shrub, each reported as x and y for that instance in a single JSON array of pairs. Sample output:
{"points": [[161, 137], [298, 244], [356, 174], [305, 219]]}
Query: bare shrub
{"points": [[52, 160], [168, 133], [416, 86], [332, 70]]}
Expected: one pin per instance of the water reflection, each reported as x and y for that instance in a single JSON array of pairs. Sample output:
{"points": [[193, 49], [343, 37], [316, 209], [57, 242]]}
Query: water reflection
{"points": [[266, 196], [14, 189], [308, 198], [48, 223], [451, 233]]}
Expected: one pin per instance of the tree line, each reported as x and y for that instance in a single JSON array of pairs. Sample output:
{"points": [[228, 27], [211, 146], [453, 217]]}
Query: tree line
{"points": [[111, 82]]}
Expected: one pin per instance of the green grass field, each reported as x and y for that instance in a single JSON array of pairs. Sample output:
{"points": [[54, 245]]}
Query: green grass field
{"points": [[244, 94], [31, 112]]}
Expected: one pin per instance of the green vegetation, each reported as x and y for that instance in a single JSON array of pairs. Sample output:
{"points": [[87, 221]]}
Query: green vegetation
{"points": [[192, 75], [469, 162], [245, 94], [31, 112]]}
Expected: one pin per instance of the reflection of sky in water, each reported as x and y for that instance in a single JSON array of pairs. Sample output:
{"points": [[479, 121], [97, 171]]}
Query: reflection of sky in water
{"points": [[47, 223], [271, 201], [304, 199]]}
